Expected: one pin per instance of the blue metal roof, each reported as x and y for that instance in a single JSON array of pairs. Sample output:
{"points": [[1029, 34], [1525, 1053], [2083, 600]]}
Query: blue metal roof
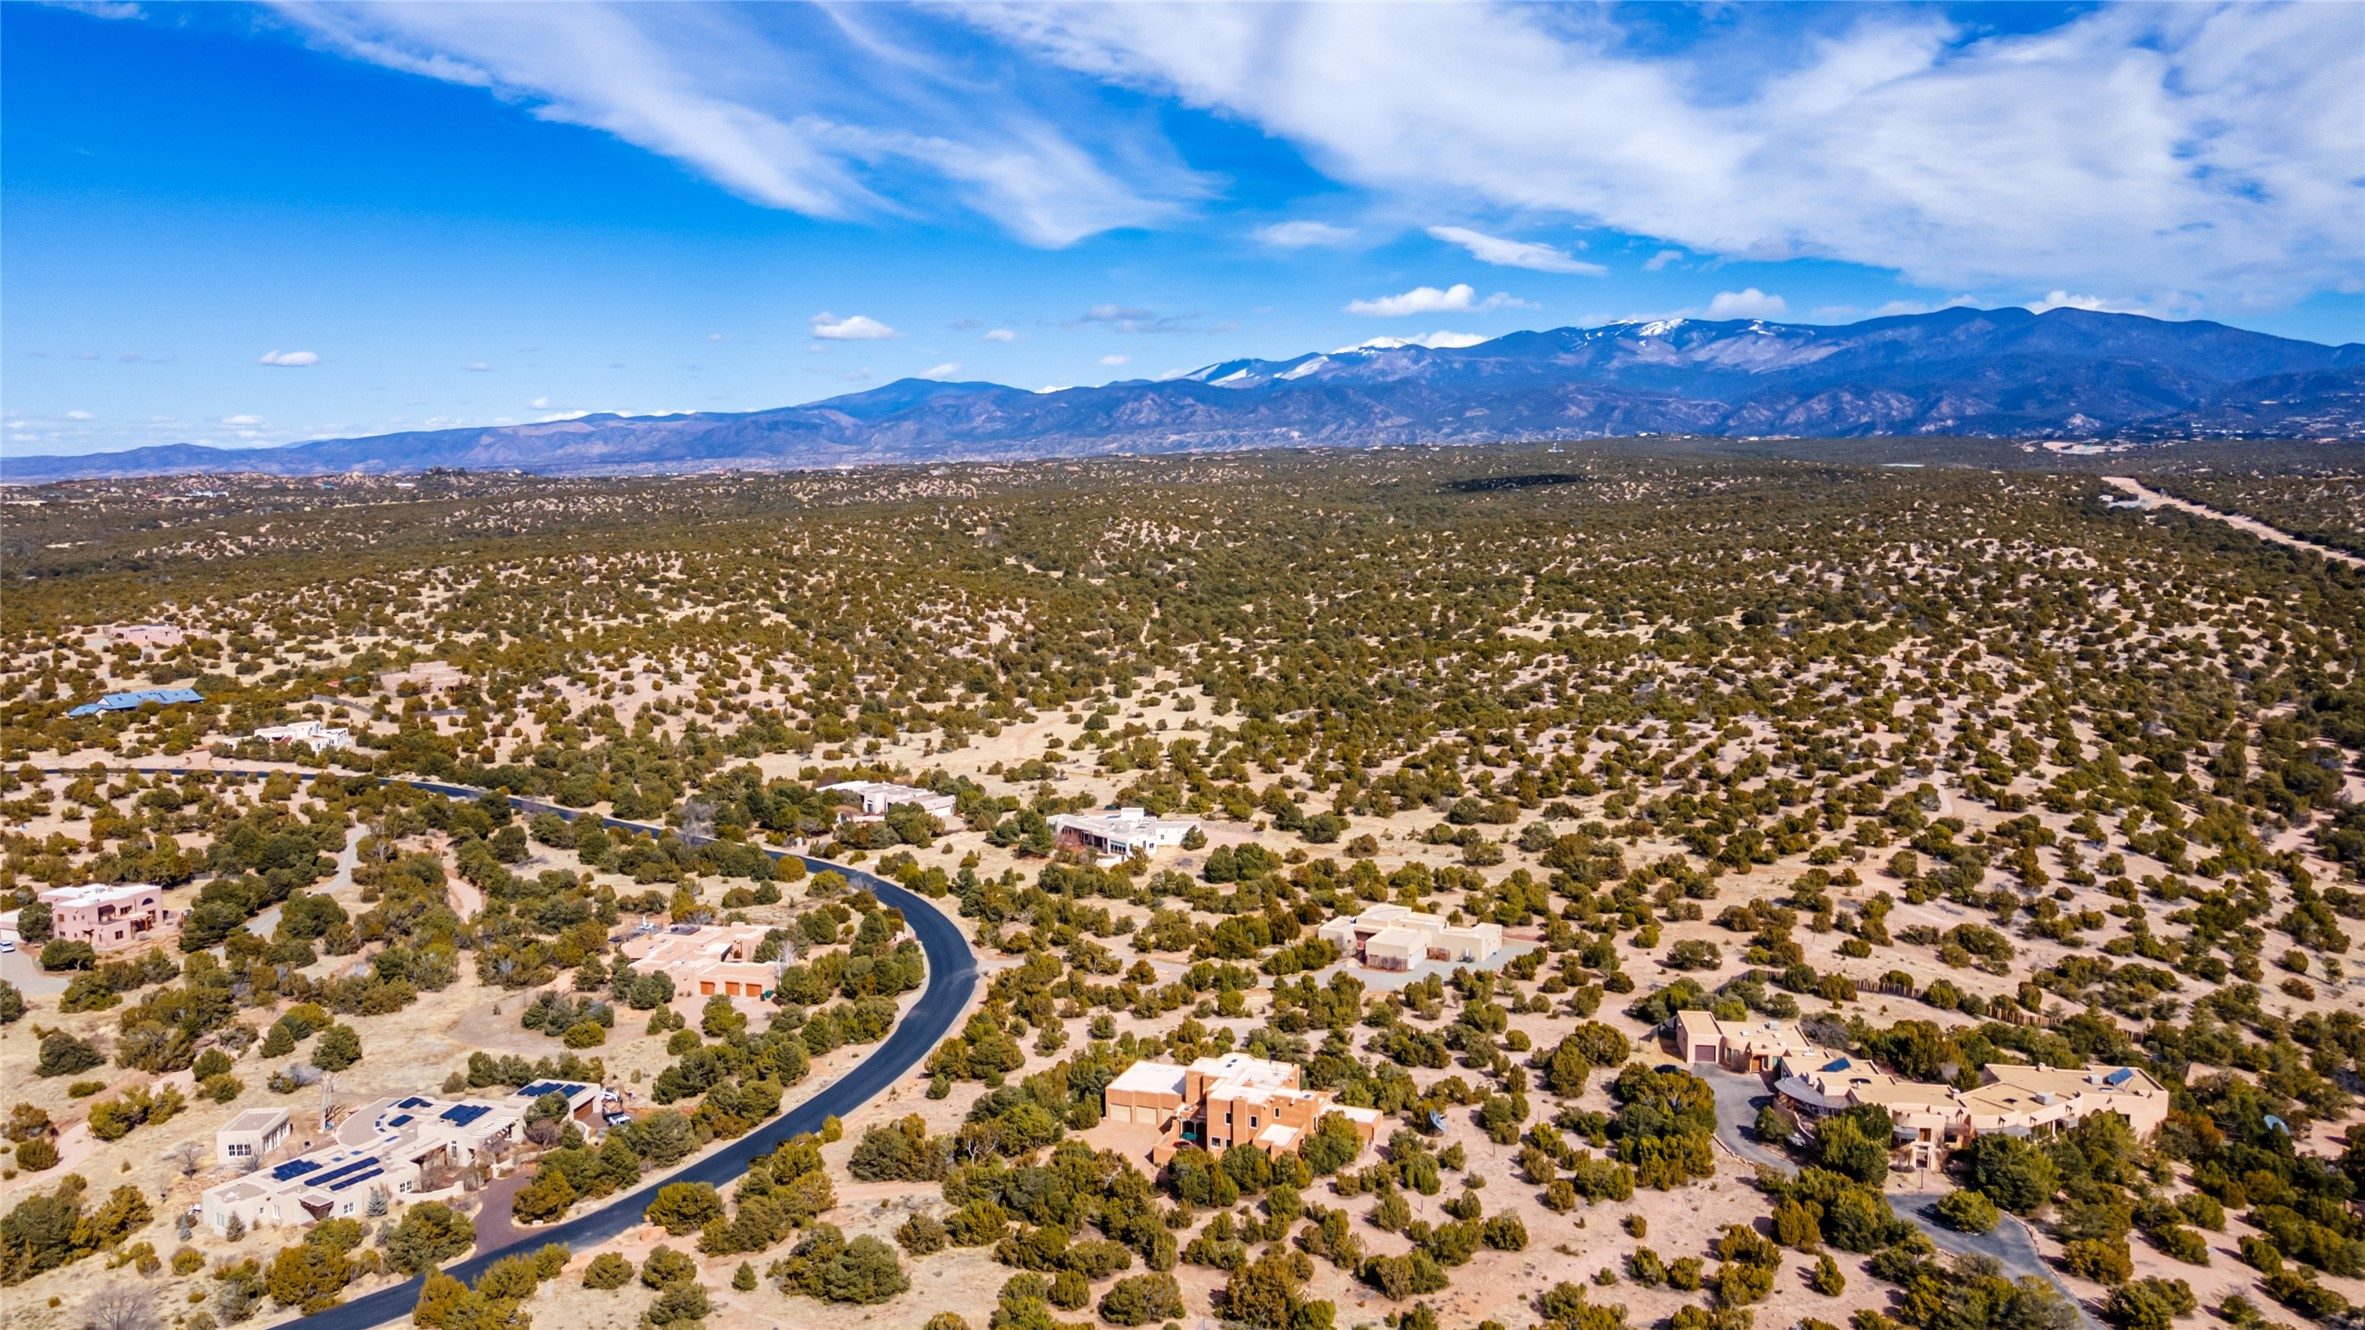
{"points": [[132, 701]]}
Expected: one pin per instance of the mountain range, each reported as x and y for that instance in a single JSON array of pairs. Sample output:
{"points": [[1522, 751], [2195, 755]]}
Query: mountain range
{"points": [[2065, 373]]}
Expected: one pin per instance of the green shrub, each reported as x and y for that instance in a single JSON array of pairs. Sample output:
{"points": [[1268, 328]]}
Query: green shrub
{"points": [[607, 1271], [1968, 1211]]}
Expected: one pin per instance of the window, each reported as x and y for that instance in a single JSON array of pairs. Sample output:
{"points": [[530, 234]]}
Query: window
{"points": [[240, 1149]]}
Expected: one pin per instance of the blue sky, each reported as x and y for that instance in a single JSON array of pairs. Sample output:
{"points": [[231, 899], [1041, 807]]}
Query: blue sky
{"points": [[252, 225]]}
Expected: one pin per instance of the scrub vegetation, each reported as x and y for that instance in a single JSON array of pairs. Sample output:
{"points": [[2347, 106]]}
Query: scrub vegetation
{"points": [[1955, 765]]}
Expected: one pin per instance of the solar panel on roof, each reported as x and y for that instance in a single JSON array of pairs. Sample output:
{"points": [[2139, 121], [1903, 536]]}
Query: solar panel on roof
{"points": [[414, 1102], [356, 1179], [2120, 1077], [460, 1115], [293, 1168], [396, 1122], [329, 1178]]}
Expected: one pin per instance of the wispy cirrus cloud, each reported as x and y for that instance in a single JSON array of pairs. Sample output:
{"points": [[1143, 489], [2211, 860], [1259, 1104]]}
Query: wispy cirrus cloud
{"points": [[2211, 146], [1134, 319], [1515, 253], [758, 100], [1301, 235]]}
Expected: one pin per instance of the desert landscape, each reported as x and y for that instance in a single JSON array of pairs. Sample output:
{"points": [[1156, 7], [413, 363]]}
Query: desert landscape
{"points": [[1641, 872]]}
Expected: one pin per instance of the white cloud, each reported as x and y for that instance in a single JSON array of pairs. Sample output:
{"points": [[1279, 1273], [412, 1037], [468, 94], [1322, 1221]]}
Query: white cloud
{"points": [[1000, 335], [288, 359], [2058, 299], [540, 404], [832, 113], [80, 415], [1134, 319], [1116, 360], [943, 371], [235, 420], [1747, 304], [2218, 143], [1661, 259], [1515, 253], [1298, 235], [852, 328], [1887, 309], [477, 367], [1439, 340], [1458, 298]]}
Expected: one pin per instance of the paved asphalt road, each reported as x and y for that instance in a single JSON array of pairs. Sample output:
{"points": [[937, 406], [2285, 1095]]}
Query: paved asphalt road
{"points": [[952, 976], [2009, 1244], [1738, 1097]]}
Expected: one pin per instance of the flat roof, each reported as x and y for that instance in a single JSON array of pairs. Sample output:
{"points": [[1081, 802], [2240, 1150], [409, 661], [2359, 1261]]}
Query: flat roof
{"points": [[97, 893], [1149, 1078], [257, 1119]]}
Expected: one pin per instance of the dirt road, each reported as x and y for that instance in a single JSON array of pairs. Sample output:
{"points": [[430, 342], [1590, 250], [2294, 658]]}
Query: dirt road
{"points": [[2152, 498]]}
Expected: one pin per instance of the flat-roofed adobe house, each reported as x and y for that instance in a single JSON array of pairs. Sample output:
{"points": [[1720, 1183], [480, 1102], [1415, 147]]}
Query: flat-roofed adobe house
{"points": [[2012, 1099], [2047, 1099], [1697, 1040], [319, 736], [1113, 837], [704, 960], [406, 1147], [146, 635], [1397, 937], [1929, 1120], [110, 916], [1219, 1103], [428, 676], [1760, 1046], [250, 1137], [874, 797]]}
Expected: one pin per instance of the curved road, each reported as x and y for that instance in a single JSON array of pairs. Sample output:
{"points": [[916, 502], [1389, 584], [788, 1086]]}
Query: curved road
{"points": [[952, 977]]}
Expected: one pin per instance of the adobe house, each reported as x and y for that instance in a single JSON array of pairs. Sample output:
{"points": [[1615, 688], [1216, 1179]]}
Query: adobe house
{"points": [[1219, 1103], [110, 917]]}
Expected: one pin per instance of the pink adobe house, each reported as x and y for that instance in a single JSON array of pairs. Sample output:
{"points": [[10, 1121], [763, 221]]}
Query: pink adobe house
{"points": [[110, 917]]}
